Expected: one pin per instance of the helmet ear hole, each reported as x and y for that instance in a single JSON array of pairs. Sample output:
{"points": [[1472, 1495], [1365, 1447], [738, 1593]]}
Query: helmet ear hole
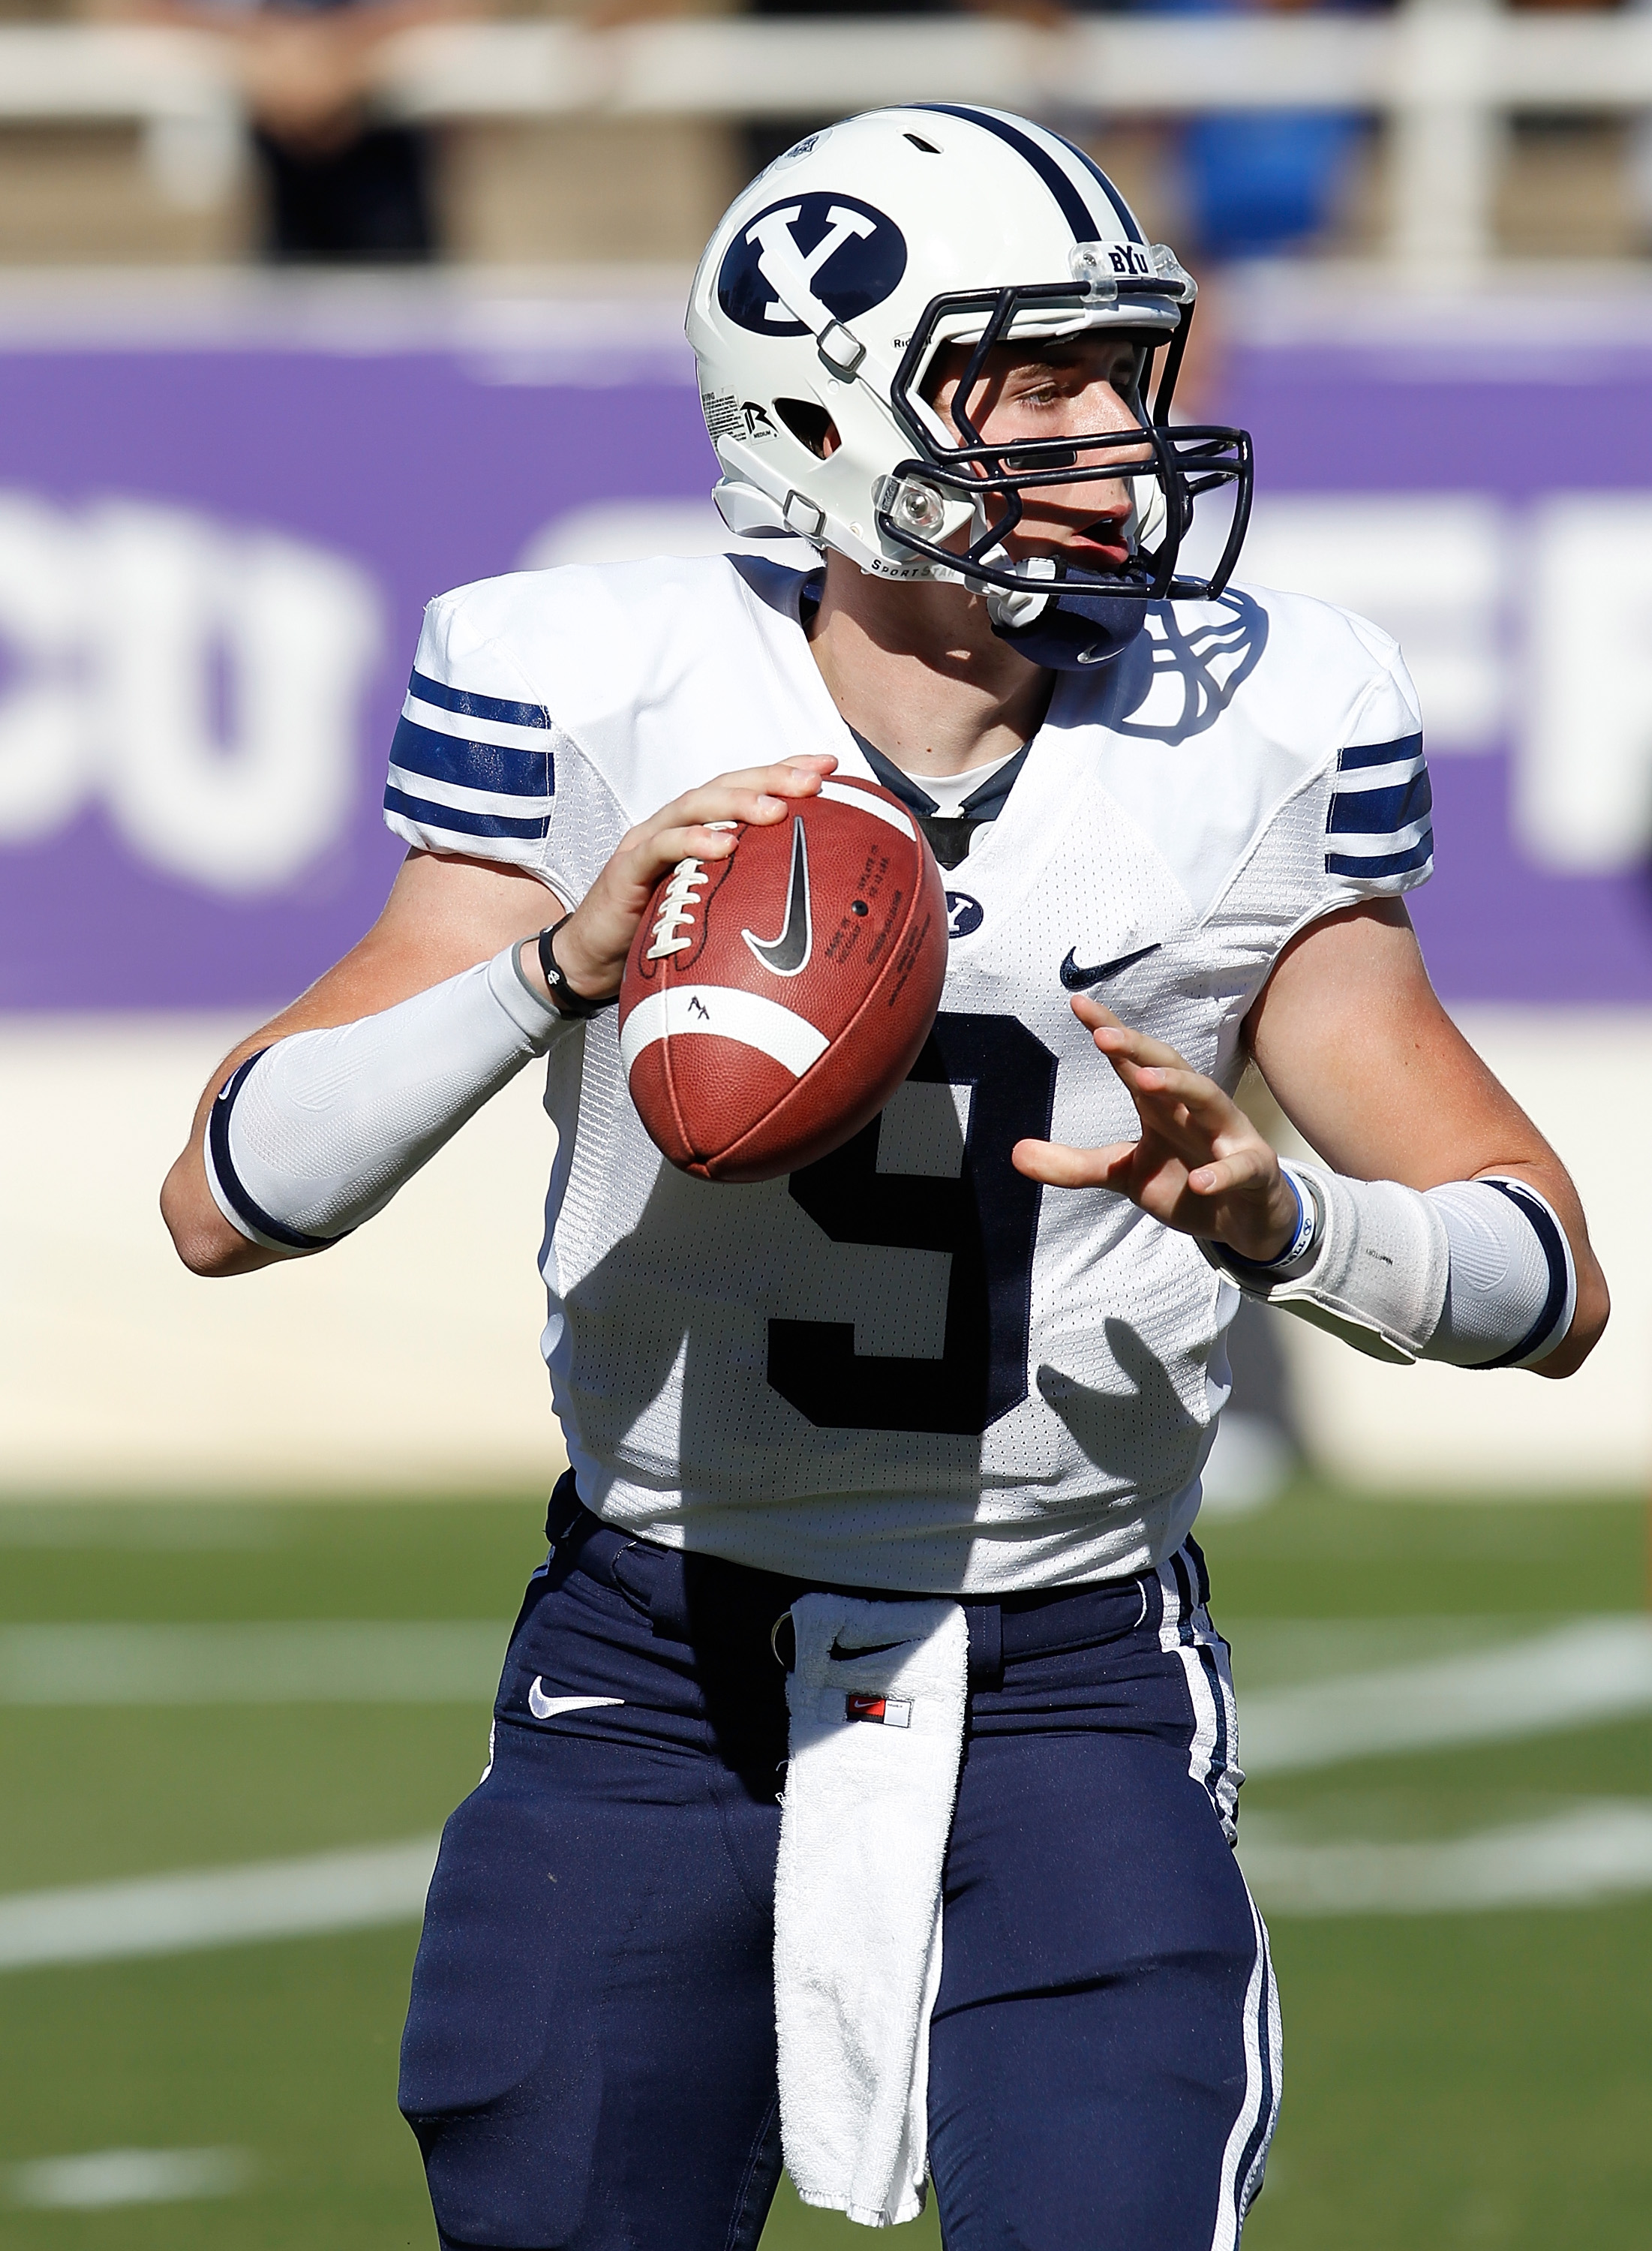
{"points": [[810, 425]]}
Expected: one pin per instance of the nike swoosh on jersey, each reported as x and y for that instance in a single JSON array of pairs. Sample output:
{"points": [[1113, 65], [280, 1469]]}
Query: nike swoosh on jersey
{"points": [[787, 954], [1075, 978], [551, 1708]]}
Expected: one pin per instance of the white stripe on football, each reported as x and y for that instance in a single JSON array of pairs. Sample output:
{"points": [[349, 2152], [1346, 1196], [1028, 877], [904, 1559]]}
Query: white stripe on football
{"points": [[731, 1015]]}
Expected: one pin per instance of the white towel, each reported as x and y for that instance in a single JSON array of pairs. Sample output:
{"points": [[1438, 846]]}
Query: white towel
{"points": [[875, 1745]]}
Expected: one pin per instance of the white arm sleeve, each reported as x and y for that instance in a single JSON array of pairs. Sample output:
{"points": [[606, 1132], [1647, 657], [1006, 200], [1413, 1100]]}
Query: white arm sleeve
{"points": [[1513, 1287], [1478, 1273], [315, 1134]]}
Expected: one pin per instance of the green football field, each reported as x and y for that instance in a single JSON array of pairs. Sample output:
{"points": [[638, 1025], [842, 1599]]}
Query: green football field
{"points": [[1460, 1898]]}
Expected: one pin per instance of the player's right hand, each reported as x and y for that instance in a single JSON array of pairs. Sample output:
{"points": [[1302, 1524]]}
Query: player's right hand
{"points": [[591, 950], [1199, 1167]]}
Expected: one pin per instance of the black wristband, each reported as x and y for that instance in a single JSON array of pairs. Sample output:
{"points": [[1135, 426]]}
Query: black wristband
{"points": [[564, 1000]]}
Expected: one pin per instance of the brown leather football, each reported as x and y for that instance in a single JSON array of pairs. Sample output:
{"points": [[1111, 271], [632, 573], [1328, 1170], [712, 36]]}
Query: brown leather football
{"points": [[773, 1001]]}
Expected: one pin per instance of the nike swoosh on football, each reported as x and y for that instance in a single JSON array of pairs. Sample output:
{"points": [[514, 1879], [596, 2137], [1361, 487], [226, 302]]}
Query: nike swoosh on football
{"points": [[1075, 978], [788, 952], [550, 1707]]}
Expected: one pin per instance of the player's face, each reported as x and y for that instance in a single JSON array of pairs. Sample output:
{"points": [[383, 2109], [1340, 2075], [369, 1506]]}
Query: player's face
{"points": [[1076, 389]]}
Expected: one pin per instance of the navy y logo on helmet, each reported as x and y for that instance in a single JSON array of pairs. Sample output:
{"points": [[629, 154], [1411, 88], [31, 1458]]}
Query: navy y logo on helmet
{"points": [[830, 253]]}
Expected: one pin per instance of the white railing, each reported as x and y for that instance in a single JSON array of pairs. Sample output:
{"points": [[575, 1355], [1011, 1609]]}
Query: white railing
{"points": [[1447, 73]]}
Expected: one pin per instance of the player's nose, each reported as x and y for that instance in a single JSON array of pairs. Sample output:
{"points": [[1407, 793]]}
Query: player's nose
{"points": [[1105, 410], [1104, 413]]}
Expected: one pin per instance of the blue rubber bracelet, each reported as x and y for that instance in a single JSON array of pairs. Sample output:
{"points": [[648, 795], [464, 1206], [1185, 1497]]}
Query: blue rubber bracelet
{"points": [[1301, 1235]]}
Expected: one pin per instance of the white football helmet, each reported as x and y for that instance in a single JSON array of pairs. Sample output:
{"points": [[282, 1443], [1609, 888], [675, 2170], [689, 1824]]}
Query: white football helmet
{"points": [[823, 297]]}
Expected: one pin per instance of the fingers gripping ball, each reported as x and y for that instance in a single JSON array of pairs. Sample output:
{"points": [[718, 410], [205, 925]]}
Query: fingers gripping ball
{"points": [[773, 1001]]}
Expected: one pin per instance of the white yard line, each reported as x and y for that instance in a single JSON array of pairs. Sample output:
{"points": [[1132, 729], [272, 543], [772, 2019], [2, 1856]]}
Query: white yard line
{"points": [[307, 1661], [1592, 1851], [181, 1913], [1576, 1675], [1595, 1851], [101, 2179], [1580, 1674], [1593, 1670]]}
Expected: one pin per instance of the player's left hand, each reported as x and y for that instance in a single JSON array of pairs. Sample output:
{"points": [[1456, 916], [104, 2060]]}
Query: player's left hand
{"points": [[1200, 1166]]}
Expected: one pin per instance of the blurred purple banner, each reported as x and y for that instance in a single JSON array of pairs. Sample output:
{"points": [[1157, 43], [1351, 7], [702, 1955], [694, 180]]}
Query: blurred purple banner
{"points": [[216, 534]]}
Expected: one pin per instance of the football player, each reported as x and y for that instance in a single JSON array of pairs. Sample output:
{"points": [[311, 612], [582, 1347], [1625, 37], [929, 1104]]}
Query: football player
{"points": [[961, 1376]]}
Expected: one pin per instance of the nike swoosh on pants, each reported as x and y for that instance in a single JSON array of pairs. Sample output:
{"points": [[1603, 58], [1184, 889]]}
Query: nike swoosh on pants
{"points": [[551, 1708]]}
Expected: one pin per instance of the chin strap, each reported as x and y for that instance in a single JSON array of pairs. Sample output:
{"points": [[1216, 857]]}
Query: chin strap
{"points": [[1066, 630]]}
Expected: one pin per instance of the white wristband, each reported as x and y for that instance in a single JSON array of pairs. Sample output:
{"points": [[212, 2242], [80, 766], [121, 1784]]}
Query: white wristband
{"points": [[1377, 1275], [317, 1132]]}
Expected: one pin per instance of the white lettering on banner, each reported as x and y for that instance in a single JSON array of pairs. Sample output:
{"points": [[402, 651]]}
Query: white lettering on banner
{"points": [[1583, 769], [44, 768], [1427, 567], [1462, 581], [1554, 601], [202, 683]]}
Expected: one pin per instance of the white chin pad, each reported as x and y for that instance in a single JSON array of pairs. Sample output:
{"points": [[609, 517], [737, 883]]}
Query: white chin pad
{"points": [[1020, 607], [1147, 524]]}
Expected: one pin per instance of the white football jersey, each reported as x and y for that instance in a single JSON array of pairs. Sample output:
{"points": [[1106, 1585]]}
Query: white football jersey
{"points": [[907, 1366]]}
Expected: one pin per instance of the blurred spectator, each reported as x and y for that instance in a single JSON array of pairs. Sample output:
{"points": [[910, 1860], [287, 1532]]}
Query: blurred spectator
{"points": [[338, 186], [1258, 180], [1638, 148], [767, 138]]}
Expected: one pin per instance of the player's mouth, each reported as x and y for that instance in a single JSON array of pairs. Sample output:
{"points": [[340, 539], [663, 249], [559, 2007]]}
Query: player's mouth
{"points": [[1100, 544], [1103, 544]]}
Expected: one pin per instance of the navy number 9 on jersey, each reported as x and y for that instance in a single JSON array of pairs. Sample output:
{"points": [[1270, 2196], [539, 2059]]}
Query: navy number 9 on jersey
{"points": [[987, 1218]]}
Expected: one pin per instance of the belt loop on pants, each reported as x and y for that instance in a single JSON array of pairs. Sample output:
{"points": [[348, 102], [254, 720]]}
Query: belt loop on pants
{"points": [[564, 1510], [986, 1623]]}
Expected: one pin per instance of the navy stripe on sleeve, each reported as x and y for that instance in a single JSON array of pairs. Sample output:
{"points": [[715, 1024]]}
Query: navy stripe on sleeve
{"points": [[470, 705], [1378, 754], [459, 822], [1380, 812], [1547, 1231], [217, 1126], [1388, 864], [475, 766]]}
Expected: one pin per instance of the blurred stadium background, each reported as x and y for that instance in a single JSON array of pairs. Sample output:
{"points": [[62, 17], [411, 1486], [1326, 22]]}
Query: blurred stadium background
{"points": [[307, 314]]}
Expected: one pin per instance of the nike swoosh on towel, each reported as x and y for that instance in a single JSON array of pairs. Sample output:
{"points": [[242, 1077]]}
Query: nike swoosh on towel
{"points": [[873, 1649], [1075, 978], [550, 1707], [788, 952]]}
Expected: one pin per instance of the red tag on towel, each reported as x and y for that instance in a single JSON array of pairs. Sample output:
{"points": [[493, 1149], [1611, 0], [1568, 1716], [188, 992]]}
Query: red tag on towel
{"points": [[882, 1711]]}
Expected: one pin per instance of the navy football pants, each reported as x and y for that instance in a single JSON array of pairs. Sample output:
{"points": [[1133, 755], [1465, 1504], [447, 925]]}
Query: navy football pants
{"points": [[589, 2061]]}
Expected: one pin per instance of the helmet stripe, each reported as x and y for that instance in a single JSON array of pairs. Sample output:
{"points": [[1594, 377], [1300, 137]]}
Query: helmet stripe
{"points": [[1126, 217], [1075, 210]]}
